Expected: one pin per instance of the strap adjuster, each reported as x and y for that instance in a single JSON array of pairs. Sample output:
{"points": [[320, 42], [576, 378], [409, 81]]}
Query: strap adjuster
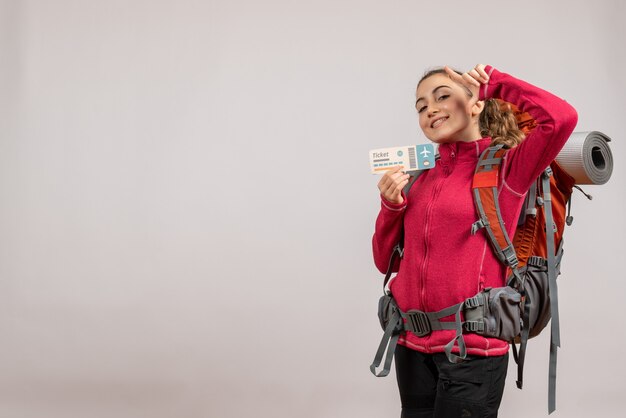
{"points": [[510, 257], [418, 323], [474, 326], [399, 249], [548, 172], [537, 261], [479, 224], [473, 302]]}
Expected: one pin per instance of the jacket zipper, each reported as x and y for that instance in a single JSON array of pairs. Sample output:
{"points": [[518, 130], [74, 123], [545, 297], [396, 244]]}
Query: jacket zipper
{"points": [[446, 170]]}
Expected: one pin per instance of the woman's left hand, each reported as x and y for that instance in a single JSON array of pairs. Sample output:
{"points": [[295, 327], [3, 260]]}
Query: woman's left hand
{"points": [[470, 80]]}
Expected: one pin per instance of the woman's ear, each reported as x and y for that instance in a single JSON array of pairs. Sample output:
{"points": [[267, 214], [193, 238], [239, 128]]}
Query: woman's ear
{"points": [[478, 107]]}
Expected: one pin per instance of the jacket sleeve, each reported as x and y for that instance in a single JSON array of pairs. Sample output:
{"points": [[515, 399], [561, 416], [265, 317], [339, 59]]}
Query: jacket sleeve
{"points": [[388, 232], [555, 119]]}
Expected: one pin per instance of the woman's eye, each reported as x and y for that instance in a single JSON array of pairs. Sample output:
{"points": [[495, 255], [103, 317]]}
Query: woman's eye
{"points": [[421, 109], [443, 97]]}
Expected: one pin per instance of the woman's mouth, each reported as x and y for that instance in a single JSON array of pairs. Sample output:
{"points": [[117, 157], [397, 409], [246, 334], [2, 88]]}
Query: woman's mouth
{"points": [[438, 122]]}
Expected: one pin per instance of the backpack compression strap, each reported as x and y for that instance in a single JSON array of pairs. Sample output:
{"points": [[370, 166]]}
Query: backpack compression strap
{"points": [[555, 338]]}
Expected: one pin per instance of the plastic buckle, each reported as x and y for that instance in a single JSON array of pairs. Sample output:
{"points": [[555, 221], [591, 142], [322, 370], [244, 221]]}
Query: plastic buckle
{"points": [[510, 256], [548, 171], [481, 223], [472, 302], [475, 326], [399, 249], [537, 261], [418, 323]]}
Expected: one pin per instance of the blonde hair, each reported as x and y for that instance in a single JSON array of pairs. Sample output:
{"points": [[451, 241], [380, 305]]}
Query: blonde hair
{"points": [[497, 120]]}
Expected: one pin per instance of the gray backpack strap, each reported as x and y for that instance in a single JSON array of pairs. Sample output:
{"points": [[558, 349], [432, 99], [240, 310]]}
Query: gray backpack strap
{"points": [[398, 251], [414, 175], [388, 343], [555, 338], [394, 326], [529, 207], [524, 335], [458, 338]]}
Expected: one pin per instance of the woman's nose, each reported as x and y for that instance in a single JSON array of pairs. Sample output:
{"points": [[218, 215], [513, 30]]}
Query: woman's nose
{"points": [[431, 111]]}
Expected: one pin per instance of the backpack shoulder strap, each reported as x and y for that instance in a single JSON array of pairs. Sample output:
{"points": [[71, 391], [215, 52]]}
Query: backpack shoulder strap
{"points": [[414, 175], [485, 191]]}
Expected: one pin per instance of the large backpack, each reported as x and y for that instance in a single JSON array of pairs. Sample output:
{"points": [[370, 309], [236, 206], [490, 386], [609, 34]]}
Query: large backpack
{"points": [[533, 257], [520, 310]]}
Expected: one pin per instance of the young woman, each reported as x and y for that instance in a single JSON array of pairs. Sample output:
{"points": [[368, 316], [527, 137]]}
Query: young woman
{"points": [[443, 263]]}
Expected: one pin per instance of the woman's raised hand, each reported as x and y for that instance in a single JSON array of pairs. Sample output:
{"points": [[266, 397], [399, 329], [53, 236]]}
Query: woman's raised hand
{"points": [[470, 80], [392, 183]]}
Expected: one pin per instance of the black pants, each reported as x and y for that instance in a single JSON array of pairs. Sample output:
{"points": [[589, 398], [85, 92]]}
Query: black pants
{"points": [[430, 386]]}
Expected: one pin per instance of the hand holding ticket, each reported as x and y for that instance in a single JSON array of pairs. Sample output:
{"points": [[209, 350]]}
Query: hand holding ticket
{"points": [[408, 158], [392, 183]]}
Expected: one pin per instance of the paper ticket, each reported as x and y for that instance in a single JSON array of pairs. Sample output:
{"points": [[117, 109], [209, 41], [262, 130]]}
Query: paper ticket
{"points": [[410, 157]]}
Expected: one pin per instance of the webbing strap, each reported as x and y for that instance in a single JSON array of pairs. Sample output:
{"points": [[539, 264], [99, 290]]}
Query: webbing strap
{"points": [[490, 161], [458, 338], [422, 323], [541, 262], [413, 176], [519, 358], [552, 378], [388, 342], [555, 338], [398, 251], [531, 200], [551, 250]]}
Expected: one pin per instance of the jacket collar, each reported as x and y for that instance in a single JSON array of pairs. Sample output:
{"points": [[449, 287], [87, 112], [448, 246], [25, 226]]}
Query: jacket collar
{"points": [[462, 151]]}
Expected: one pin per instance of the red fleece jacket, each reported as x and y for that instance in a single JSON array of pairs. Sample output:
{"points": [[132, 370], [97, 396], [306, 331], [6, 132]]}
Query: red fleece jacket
{"points": [[443, 263]]}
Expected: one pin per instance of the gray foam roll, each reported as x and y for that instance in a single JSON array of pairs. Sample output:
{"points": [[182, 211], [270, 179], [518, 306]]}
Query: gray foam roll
{"points": [[587, 157]]}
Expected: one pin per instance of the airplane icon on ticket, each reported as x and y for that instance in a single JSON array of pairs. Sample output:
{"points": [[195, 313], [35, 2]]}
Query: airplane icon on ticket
{"points": [[426, 156]]}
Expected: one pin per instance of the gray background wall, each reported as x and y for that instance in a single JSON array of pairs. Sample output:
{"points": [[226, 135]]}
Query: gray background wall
{"points": [[186, 208]]}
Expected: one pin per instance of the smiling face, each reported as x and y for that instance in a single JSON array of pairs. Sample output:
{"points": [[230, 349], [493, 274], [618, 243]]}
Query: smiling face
{"points": [[446, 111]]}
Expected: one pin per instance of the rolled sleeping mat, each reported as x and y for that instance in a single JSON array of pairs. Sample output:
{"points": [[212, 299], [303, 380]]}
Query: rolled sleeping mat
{"points": [[587, 157]]}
